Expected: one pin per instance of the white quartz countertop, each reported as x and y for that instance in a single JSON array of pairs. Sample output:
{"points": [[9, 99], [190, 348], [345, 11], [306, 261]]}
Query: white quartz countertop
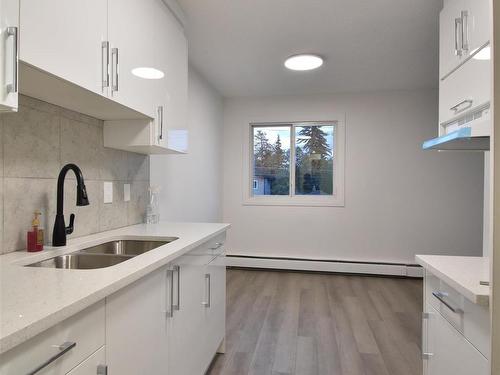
{"points": [[33, 299], [464, 274]]}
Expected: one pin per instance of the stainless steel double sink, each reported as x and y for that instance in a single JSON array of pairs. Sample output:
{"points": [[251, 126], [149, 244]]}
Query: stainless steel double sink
{"points": [[103, 255]]}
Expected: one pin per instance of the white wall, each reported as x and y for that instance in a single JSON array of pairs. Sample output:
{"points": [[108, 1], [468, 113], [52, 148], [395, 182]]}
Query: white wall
{"points": [[400, 200], [191, 184]]}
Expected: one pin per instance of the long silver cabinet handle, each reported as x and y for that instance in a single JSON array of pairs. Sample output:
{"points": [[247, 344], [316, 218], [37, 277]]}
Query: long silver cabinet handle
{"points": [[64, 348], [160, 120], [217, 246], [12, 32], [209, 294], [456, 108], [115, 64], [170, 295], [441, 297], [458, 27], [425, 317], [465, 30], [177, 270], [105, 64]]}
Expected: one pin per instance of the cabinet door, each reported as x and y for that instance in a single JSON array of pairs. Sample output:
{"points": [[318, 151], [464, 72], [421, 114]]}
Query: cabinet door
{"points": [[450, 54], [450, 353], [134, 43], [175, 62], [9, 28], [214, 307], [476, 24], [92, 365], [65, 38], [466, 88], [136, 327], [185, 329]]}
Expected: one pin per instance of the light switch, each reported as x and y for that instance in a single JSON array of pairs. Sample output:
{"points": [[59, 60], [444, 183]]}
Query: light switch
{"points": [[126, 192], [108, 192]]}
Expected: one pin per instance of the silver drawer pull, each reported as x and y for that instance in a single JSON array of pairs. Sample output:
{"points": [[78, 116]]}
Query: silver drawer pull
{"points": [[427, 356], [217, 246], [441, 297], [64, 348], [456, 108]]}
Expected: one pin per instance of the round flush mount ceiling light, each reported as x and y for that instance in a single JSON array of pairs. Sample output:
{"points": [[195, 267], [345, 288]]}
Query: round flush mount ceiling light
{"points": [[303, 62], [148, 73]]}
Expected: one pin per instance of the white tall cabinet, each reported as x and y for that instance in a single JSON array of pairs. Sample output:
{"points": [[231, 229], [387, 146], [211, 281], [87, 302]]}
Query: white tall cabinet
{"points": [[9, 47]]}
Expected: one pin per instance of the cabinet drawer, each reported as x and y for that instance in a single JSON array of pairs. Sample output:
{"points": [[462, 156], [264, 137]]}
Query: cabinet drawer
{"points": [[86, 329], [465, 89], [212, 248], [447, 351], [471, 320]]}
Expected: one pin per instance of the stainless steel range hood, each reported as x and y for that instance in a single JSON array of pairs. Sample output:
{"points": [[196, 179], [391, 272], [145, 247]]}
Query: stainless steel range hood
{"points": [[459, 140]]}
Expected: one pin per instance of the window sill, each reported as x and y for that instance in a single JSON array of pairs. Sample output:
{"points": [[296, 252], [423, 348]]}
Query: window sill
{"points": [[294, 201]]}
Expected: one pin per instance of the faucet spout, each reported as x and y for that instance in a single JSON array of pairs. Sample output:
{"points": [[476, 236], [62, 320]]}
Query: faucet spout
{"points": [[60, 229]]}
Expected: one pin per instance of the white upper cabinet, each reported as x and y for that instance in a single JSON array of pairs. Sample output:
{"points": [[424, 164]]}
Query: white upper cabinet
{"points": [[464, 29], [165, 99], [175, 63], [65, 38], [9, 28], [97, 45], [134, 43]]}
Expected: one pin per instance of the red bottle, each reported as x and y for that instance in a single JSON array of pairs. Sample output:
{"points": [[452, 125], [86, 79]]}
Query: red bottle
{"points": [[34, 237]]}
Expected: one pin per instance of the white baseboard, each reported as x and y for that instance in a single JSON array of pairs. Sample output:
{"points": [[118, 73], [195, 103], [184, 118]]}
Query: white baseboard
{"points": [[385, 269]]}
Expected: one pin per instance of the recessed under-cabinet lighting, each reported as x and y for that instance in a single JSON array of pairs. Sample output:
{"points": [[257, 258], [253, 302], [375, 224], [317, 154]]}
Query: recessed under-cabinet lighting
{"points": [[148, 73], [303, 62]]}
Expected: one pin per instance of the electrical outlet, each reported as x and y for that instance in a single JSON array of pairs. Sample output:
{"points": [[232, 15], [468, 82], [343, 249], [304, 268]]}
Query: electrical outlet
{"points": [[126, 192], [108, 192]]}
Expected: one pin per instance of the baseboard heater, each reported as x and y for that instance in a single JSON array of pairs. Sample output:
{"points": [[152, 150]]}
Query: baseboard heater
{"points": [[333, 266]]}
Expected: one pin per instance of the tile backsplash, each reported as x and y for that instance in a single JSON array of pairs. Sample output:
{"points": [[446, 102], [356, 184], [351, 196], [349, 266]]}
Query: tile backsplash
{"points": [[35, 143]]}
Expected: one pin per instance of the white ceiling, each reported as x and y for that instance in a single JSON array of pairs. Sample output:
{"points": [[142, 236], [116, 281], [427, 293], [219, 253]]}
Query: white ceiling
{"points": [[240, 45]]}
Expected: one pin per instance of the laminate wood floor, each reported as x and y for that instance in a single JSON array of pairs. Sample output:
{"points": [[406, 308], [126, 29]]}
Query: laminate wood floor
{"points": [[284, 323]]}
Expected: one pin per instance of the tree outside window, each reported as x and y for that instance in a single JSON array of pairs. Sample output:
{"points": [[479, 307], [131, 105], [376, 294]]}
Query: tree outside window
{"points": [[295, 159]]}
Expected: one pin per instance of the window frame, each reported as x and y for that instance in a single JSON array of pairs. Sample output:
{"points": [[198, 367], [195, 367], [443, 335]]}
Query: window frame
{"points": [[334, 200]]}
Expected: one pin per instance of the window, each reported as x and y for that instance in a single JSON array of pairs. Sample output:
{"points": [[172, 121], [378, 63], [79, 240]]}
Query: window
{"points": [[296, 163]]}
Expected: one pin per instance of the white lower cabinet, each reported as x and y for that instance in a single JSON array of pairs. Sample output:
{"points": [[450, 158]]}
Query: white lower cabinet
{"points": [[214, 314], [61, 348], [136, 327], [186, 332], [456, 333], [171, 321], [447, 352]]}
